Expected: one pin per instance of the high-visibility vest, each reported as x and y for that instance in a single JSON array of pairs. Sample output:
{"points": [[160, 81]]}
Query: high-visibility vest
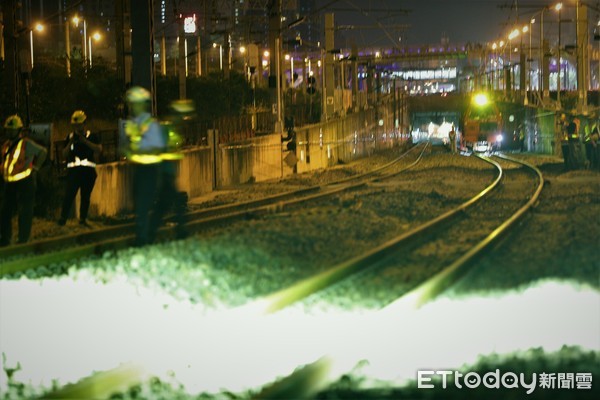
{"points": [[14, 168], [78, 162], [174, 142], [588, 137], [136, 132]]}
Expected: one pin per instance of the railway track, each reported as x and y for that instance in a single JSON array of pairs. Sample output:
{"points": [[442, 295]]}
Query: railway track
{"points": [[422, 235], [313, 377], [68, 247], [422, 293]]}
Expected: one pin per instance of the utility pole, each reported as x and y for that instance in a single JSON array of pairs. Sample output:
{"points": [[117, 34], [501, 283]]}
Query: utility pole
{"points": [[329, 75], [123, 42], [1, 37], [181, 60], [274, 9], [11, 48], [582, 57], [142, 47], [163, 54], [68, 47], [545, 70]]}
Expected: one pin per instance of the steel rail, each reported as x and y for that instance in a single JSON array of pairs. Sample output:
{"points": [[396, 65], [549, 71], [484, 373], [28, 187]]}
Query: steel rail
{"points": [[412, 300], [298, 291], [450, 275], [47, 244], [75, 246]]}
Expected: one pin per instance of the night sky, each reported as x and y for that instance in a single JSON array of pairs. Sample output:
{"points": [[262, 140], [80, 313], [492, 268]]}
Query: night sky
{"points": [[460, 20]]}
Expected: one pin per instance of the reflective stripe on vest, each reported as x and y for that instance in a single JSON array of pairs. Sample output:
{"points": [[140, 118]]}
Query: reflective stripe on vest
{"points": [[81, 163], [171, 156], [145, 158], [136, 133], [9, 166]]}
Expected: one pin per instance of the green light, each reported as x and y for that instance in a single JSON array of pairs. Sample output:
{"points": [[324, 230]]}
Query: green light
{"points": [[480, 99]]}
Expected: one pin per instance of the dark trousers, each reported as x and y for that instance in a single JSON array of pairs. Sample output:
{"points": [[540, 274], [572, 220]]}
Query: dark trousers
{"points": [[589, 153], [19, 195], [566, 152], [170, 199], [146, 181], [575, 156], [596, 157], [78, 178]]}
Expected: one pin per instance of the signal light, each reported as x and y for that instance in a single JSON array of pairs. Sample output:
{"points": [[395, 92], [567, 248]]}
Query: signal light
{"points": [[480, 99]]}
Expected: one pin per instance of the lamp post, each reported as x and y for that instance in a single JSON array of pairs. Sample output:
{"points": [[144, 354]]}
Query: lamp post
{"points": [[220, 55], [243, 53], [502, 46], [494, 63], [84, 38], [40, 28], [291, 60], [96, 36], [512, 35], [542, 78], [524, 71], [530, 57]]}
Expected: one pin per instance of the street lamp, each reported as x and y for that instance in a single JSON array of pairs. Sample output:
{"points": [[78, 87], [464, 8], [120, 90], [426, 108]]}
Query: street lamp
{"points": [[39, 28], [523, 72], [530, 57], [96, 36], [291, 60], [84, 39], [220, 55], [243, 53], [544, 91]]}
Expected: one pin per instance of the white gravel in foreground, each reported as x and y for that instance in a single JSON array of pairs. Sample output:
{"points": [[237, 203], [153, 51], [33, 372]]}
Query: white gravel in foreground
{"points": [[236, 349]]}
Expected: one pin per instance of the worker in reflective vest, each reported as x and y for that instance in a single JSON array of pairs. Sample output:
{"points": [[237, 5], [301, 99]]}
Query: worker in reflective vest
{"points": [[21, 158], [81, 153], [144, 144]]}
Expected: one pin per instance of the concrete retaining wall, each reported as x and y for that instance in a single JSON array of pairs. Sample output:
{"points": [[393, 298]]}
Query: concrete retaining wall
{"points": [[257, 159], [112, 191]]}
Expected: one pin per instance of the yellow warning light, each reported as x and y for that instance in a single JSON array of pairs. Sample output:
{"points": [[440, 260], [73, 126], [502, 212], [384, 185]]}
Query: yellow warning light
{"points": [[480, 99]]}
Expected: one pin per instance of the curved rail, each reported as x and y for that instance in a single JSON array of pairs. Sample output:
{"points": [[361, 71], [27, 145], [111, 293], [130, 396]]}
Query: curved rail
{"points": [[412, 300], [437, 284], [313, 284]]}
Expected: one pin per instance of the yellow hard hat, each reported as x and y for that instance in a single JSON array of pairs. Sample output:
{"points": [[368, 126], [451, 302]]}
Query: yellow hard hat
{"points": [[78, 117], [13, 122], [137, 94], [183, 106]]}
